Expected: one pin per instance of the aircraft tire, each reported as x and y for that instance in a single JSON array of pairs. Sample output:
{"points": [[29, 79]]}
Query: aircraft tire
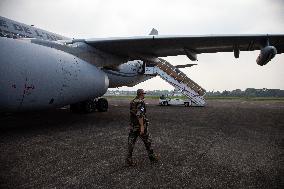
{"points": [[102, 105], [75, 108], [88, 106]]}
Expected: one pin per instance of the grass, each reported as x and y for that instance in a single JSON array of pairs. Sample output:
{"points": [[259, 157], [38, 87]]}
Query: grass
{"points": [[130, 97]]}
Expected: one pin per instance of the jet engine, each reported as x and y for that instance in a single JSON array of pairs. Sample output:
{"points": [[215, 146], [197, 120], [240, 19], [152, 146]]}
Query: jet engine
{"points": [[34, 77], [266, 54]]}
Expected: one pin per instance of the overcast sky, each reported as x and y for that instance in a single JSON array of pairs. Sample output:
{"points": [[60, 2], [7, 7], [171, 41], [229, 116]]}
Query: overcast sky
{"points": [[114, 18]]}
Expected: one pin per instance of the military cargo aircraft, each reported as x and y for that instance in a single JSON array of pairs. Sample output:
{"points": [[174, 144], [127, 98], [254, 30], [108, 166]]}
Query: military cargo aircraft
{"points": [[41, 70]]}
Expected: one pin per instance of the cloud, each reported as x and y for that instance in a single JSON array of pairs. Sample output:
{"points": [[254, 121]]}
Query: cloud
{"points": [[100, 18]]}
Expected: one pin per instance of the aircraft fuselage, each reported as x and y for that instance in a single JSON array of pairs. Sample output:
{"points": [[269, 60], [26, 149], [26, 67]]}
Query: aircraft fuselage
{"points": [[41, 70]]}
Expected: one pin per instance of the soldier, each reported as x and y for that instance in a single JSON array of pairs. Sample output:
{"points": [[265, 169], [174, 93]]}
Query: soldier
{"points": [[139, 127]]}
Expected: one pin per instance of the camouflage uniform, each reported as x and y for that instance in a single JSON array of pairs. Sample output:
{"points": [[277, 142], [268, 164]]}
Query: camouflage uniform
{"points": [[138, 110]]}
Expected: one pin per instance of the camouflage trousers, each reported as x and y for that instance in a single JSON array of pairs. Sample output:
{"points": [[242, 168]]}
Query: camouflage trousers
{"points": [[132, 137]]}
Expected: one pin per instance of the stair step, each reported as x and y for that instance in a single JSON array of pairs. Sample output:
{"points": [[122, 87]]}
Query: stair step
{"points": [[178, 79]]}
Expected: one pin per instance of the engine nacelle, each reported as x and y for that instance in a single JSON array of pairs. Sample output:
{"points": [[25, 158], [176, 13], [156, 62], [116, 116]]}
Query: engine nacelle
{"points": [[34, 77], [127, 74], [191, 54], [266, 54]]}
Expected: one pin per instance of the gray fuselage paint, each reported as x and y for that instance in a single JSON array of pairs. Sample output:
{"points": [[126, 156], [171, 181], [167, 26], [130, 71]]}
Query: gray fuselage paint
{"points": [[38, 70], [39, 77]]}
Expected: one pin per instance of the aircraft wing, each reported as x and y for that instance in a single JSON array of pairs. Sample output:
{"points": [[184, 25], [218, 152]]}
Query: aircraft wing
{"points": [[161, 46]]}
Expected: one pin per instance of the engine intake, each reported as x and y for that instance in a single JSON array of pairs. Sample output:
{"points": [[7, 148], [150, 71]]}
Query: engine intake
{"points": [[266, 54]]}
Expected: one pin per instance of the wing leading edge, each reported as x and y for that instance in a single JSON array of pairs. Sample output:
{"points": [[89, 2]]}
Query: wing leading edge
{"points": [[161, 46]]}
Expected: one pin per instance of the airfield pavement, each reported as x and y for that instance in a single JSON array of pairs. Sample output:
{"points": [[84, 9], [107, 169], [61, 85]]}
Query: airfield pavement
{"points": [[227, 144]]}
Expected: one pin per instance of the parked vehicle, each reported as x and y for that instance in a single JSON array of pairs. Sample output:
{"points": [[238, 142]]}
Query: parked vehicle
{"points": [[166, 101]]}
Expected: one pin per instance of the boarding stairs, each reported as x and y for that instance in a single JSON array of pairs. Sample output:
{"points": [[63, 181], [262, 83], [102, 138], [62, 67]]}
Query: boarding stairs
{"points": [[177, 79]]}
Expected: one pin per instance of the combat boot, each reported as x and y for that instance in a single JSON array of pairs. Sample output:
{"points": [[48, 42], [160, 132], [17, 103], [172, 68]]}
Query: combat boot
{"points": [[154, 158], [129, 162]]}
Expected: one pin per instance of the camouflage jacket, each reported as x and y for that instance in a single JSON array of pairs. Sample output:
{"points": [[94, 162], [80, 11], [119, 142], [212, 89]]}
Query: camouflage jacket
{"points": [[137, 110]]}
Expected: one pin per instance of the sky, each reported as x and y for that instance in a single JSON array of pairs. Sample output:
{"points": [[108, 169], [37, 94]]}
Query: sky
{"points": [[122, 18]]}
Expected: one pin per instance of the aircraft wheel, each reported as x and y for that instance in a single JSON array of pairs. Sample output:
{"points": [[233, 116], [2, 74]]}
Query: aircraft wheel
{"points": [[75, 108], [102, 105], [88, 106], [166, 103]]}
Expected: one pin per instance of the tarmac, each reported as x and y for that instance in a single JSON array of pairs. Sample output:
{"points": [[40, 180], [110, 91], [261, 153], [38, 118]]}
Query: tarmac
{"points": [[227, 144]]}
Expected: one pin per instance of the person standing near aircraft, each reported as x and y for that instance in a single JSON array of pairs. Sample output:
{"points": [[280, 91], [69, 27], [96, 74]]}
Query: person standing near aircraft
{"points": [[139, 127]]}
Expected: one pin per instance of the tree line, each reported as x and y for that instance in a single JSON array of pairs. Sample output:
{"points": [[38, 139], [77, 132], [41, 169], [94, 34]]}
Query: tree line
{"points": [[249, 92]]}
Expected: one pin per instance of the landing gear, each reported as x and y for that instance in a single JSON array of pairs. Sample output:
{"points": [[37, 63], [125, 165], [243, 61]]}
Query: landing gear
{"points": [[89, 106], [102, 105]]}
